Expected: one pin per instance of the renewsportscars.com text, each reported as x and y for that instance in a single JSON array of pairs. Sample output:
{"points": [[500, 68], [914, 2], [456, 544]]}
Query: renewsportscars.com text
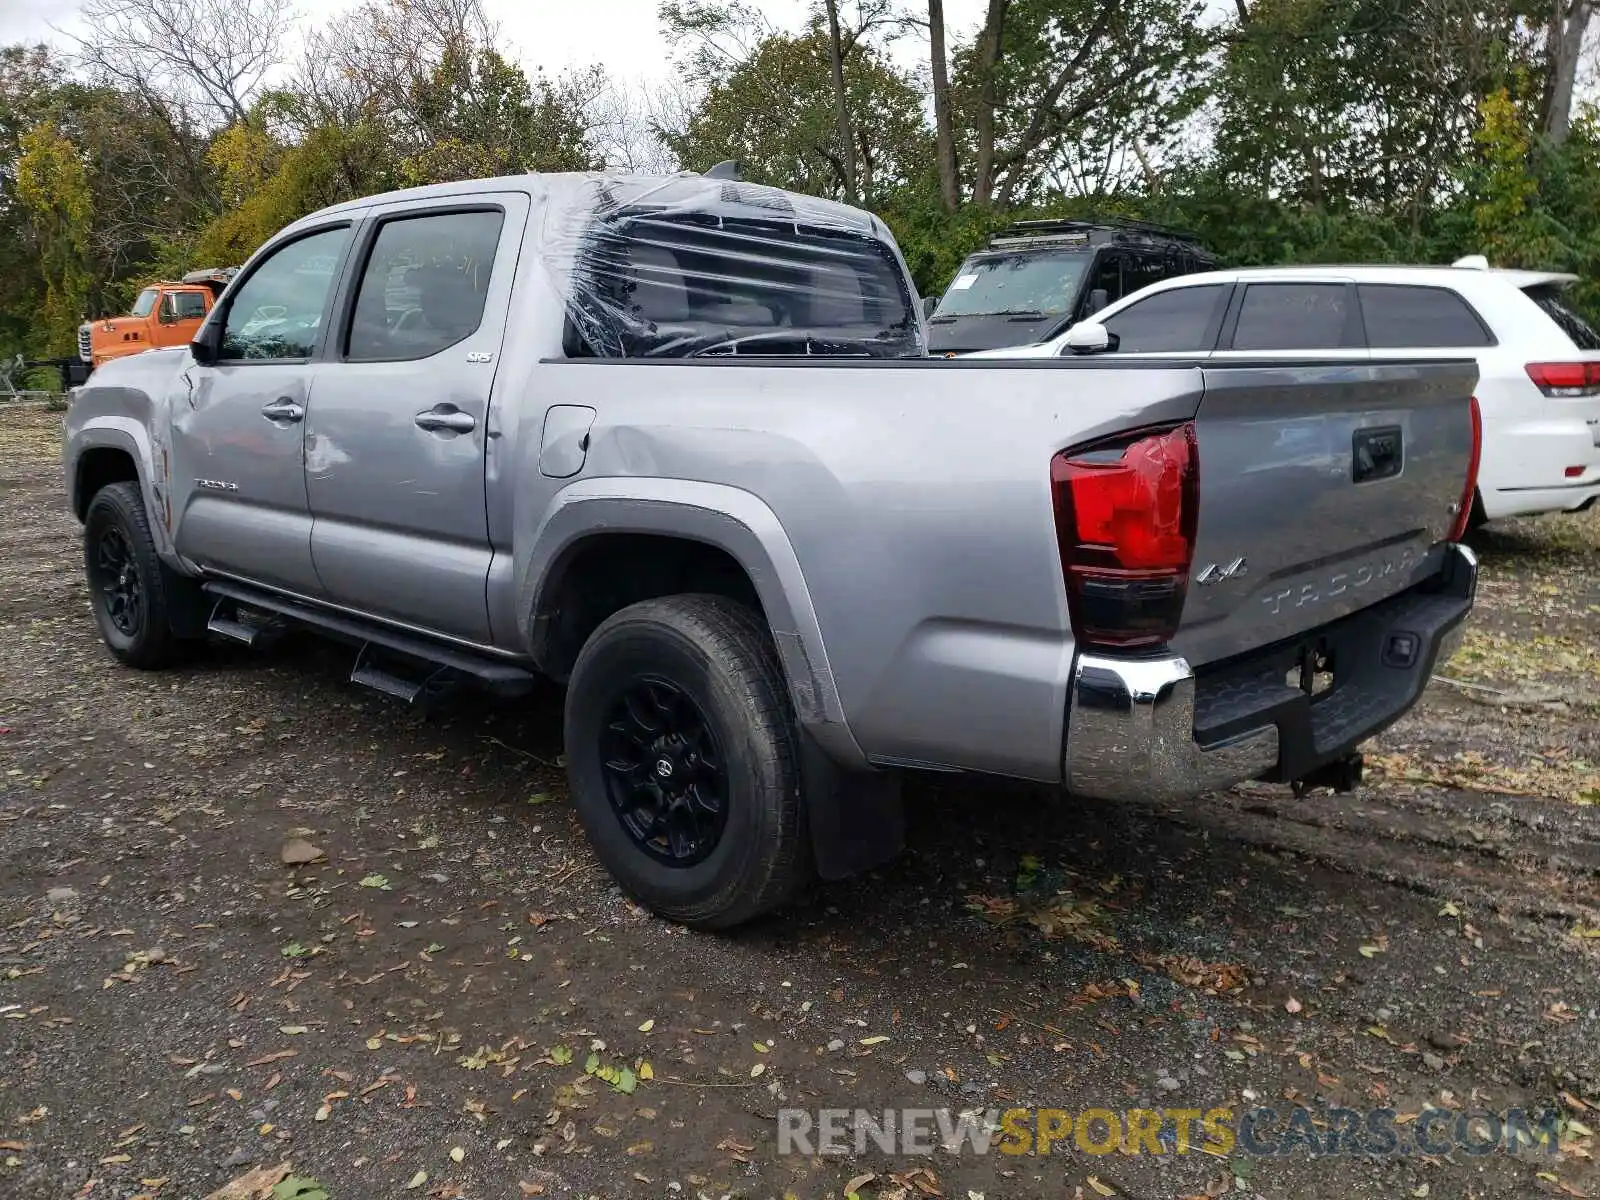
{"points": [[1260, 1132]]}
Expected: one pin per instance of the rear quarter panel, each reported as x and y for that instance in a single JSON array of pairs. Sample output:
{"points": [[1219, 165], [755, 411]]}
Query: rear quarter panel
{"points": [[916, 498]]}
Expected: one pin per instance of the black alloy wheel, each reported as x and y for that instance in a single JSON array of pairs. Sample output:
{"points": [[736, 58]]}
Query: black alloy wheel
{"points": [[114, 575], [664, 772], [683, 761]]}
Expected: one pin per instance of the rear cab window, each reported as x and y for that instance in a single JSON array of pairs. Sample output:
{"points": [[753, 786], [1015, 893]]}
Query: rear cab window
{"points": [[1402, 316], [1554, 305], [735, 270]]}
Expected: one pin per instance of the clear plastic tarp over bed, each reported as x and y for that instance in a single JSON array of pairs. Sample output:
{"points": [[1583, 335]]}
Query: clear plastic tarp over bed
{"points": [[689, 265]]}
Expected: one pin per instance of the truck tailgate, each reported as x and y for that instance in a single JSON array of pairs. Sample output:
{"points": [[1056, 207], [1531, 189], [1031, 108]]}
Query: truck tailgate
{"points": [[1324, 488]]}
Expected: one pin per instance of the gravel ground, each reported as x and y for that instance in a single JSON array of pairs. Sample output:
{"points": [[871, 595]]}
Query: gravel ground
{"points": [[453, 999]]}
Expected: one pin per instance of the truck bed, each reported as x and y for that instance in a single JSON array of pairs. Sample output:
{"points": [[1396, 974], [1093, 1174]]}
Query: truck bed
{"points": [[916, 497]]}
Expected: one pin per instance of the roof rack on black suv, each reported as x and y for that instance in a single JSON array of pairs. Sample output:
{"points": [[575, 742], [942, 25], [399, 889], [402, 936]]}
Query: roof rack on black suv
{"points": [[1075, 230], [1037, 277]]}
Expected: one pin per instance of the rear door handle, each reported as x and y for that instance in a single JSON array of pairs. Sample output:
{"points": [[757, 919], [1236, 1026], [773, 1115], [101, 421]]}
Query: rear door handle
{"points": [[446, 417], [283, 409]]}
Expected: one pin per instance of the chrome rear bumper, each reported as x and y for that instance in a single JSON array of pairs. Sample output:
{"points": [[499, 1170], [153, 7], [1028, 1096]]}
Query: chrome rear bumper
{"points": [[1131, 721]]}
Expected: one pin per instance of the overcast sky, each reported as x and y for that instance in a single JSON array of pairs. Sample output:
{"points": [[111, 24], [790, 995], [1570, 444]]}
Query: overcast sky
{"points": [[621, 35]]}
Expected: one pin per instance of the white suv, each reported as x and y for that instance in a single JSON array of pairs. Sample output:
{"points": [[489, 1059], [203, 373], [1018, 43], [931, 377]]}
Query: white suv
{"points": [[1539, 362]]}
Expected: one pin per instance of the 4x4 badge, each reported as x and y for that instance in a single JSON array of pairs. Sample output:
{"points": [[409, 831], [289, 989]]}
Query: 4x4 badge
{"points": [[1212, 573]]}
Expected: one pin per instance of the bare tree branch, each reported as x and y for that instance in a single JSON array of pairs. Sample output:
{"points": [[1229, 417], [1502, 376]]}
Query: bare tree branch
{"points": [[207, 57]]}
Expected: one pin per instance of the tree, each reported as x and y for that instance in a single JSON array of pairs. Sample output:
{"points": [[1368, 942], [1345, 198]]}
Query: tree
{"points": [[53, 189], [479, 115], [206, 59], [841, 97], [776, 113], [1363, 104], [1564, 38], [943, 113], [1044, 75]]}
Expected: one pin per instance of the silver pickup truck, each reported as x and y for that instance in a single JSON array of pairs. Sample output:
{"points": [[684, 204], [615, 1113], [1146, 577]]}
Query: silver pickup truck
{"points": [[676, 444]]}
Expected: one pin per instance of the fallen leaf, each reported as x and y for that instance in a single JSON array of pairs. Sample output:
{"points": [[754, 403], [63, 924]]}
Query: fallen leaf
{"points": [[1100, 1188], [252, 1185], [297, 852], [1292, 1005], [876, 1040], [377, 881], [646, 1071], [271, 1058], [417, 1180], [457, 1154], [859, 1182], [757, 1069], [647, 1026]]}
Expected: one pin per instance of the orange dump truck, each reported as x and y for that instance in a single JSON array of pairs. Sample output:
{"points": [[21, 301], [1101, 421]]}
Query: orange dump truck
{"points": [[165, 314]]}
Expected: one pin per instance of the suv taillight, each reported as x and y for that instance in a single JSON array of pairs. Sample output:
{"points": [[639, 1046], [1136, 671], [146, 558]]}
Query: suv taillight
{"points": [[1566, 380], [1469, 492], [1125, 518]]}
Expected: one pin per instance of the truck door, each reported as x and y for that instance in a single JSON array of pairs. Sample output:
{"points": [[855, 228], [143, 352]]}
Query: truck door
{"points": [[179, 317], [237, 477], [395, 445]]}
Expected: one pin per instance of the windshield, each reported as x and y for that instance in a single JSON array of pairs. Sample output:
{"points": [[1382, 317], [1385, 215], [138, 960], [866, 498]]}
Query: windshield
{"points": [[1028, 282], [1575, 327], [145, 303]]}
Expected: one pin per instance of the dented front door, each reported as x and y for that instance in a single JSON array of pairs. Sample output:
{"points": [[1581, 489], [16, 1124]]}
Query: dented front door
{"points": [[238, 490]]}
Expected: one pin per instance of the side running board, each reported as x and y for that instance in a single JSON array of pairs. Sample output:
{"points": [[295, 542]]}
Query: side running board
{"points": [[400, 664]]}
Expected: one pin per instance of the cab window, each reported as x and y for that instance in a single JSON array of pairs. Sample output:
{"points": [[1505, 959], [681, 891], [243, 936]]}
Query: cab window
{"points": [[183, 306], [425, 285], [277, 312]]}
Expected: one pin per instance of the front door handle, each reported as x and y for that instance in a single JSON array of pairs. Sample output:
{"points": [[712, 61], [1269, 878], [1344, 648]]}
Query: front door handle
{"points": [[446, 417], [283, 409]]}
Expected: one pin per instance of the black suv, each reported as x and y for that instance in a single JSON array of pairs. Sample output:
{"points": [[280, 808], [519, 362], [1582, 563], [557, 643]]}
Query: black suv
{"points": [[1038, 277]]}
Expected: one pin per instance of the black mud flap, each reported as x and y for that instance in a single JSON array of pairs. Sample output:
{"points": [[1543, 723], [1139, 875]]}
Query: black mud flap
{"points": [[188, 609], [857, 818]]}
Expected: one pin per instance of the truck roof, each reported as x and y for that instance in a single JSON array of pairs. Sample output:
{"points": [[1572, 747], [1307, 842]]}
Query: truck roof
{"points": [[579, 191]]}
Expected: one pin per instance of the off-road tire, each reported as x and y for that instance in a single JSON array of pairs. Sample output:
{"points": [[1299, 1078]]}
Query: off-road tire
{"points": [[719, 653], [150, 643]]}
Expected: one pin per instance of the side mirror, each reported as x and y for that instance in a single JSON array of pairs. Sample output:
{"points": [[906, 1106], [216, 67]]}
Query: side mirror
{"points": [[165, 315], [207, 344], [1090, 337], [929, 303], [1098, 299]]}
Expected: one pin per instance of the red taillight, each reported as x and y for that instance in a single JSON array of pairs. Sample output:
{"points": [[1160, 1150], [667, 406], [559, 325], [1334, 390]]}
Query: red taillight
{"points": [[1125, 520], [1464, 512], [1566, 379]]}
